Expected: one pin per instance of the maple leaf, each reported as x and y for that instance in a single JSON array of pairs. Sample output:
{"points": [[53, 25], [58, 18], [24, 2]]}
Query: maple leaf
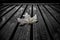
{"points": [[27, 19]]}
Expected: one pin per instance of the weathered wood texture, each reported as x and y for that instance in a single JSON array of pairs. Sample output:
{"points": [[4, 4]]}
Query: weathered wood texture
{"points": [[47, 27]]}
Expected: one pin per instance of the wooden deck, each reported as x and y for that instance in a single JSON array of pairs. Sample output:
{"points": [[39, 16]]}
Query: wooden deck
{"points": [[47, 27]]}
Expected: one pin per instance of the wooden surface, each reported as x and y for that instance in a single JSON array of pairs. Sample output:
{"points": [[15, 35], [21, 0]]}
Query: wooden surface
{"points": [[47, 27]]}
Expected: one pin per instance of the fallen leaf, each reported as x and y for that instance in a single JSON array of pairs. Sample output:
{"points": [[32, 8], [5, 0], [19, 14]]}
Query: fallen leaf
{"points": [[27, 19]]}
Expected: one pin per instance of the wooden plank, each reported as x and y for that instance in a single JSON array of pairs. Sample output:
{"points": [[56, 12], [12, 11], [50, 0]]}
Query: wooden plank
{"points": [[5, 8], [39, 28], [55, 25], [36, 35], [53, 22], [2, 10], [18, 14], [57, 6], [56, 9], [53, 13], [2, 6], [7, 17], [17, 31], [48, 24], [7, 30], [6, 11], [23, 32]]}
